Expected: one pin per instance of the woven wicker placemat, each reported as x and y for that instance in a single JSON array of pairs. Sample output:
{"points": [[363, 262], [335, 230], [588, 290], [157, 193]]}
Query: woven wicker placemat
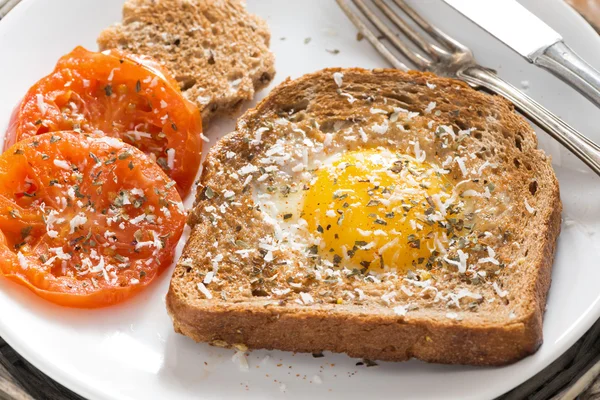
{"points": [[574, 375]]}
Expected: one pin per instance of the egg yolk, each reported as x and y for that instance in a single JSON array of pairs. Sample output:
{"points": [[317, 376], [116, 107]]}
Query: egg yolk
{"points": [[373, 209]]}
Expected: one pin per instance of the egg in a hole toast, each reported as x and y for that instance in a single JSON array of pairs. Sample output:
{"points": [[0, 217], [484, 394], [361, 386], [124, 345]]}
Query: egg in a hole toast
{"points": [[382, 214]]}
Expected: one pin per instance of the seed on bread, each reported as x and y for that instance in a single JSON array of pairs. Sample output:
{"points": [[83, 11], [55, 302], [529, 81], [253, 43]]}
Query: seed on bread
{"points": [[477, 283], [216, 50]]}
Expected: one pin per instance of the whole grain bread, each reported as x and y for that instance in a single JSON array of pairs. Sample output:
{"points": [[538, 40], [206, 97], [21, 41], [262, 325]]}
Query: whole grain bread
{"points": [[230, 288], [216, 50]]}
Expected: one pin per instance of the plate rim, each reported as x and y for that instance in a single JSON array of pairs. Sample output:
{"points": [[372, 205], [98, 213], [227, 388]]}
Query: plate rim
{"points": [[79, 386]]}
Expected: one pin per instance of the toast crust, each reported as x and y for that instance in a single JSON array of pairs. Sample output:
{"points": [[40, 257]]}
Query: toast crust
{"points": [[490, 336]]}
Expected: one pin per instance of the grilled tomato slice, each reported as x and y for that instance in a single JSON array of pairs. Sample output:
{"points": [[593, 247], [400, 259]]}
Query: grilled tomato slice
{"points": [[85, 221], [125, 96]]}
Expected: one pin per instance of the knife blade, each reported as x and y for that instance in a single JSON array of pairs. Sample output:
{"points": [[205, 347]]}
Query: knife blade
{"points": [[509, 21], [525, 33]]}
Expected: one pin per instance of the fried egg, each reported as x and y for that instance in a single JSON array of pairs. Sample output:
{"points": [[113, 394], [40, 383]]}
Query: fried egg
{"points": [[367, 209]]}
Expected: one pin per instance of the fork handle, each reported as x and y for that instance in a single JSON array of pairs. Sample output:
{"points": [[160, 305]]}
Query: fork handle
{"points": [[586, 150]]}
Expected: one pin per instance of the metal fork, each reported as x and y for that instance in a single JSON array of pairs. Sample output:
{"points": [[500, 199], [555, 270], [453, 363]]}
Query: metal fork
{"points": [[445, 56]]}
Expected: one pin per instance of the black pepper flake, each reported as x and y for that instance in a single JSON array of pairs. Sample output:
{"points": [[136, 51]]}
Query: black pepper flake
{"points": [[142, 274], [415, 244], [108, 90], [95, 158], [19, 152], [320, 229], [287, 216], [337, 259], [380, 222], [314, 249], [397, 168], [77, 192], [26, 231], [170, 185], [138, 86], [370, 363], [15, 213], [208, 192]]}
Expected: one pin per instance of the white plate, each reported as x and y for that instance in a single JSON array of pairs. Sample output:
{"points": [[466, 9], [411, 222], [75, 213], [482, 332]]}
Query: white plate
{"points": [[130, 351]]}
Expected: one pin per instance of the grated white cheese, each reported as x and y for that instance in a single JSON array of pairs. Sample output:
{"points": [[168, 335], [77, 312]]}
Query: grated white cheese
{"points": [[381, 128], [137, 192], [258, 136], [77, 221], [230, 154], [461, 164], [209, 277], [41, 104], [239, 358], [62, 164], [388, 298], [269, 256], [306, 298], [248, 169], [499, 291], [462, 263], [112, 142], [374, 110], [171, 158], [363, 135], [338, 78], [228, 194], [22, 260], [400, 310], [530, 209], [430, 107], [364, 233], [204, 291]]}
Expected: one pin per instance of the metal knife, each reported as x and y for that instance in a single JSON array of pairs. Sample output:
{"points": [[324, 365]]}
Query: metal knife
{"points": [[529, 36]]}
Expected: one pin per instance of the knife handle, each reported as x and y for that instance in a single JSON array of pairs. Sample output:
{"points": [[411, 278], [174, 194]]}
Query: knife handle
{"points": [[568, 66], [586, 150]]}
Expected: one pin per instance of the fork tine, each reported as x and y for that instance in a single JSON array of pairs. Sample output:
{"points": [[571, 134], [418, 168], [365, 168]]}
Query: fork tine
{"points": [[414, 57], [371, 37], [435, 32], [432, 50]]}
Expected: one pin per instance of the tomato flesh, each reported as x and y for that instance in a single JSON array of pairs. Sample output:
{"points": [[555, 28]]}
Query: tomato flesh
{"points": [[85, 220], [125, 96]]}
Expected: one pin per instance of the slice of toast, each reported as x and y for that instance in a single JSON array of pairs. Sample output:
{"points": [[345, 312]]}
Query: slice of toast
{"points": [[242, 281], [215, 49]]}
